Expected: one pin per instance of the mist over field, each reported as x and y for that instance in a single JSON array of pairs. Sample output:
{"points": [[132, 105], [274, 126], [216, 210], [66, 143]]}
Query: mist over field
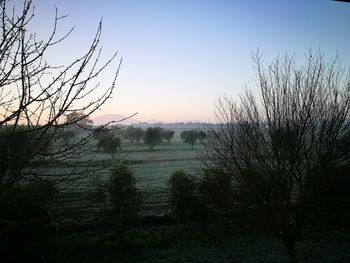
{"points": [[174, 131]]}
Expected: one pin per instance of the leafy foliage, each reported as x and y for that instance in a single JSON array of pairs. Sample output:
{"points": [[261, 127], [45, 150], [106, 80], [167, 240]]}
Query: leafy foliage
{"points": [[134, 134], [100, 132], [109, 143], [182, 194], [124, 197], [189, 136], [18, 148], [217, 190], [27, 211], [79, 120], [168, 135], [152, 137], [123, 192]]}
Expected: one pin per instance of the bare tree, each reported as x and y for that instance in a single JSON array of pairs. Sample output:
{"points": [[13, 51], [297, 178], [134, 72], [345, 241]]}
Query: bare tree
{"points": [[282, 148], [38, 100], [43, 97]]}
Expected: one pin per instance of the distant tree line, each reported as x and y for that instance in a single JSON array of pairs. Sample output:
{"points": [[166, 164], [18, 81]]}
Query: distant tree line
{"points": [[152, 136], [192, 136], [275, 162], [272, 167]]}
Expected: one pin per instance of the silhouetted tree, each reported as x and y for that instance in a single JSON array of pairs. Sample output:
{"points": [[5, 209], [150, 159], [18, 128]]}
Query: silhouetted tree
{"points": [[79, 120], [124, 197], [128, 133], [201, 136], [109, 143], [167, 135], [216, 190], [138, 134], [189, 136], [37, 102], [152, 137], [281, 148], [118, 130], [100, 132], [182, 194], [134, 134]]}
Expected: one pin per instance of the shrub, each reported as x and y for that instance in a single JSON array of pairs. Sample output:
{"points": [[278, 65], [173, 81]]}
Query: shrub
{"points": [[124, 197], [216, 190], [26, 214], [182, 194], [109, 143]]}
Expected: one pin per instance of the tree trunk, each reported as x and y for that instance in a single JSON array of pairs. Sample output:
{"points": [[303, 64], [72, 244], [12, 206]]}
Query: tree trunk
{"points": [[290, 246]]}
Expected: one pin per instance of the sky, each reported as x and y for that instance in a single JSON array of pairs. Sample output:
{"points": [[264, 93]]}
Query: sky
{"points": [[179, 57]]}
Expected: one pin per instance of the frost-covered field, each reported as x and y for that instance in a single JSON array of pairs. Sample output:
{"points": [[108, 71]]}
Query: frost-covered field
{"points": [[151, 169]]}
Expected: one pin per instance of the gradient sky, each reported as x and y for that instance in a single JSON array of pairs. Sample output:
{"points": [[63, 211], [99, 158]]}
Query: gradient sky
{"points": [[179, 56]]}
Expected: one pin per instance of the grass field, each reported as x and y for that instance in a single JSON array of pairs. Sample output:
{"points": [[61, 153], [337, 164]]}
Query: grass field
{"points": [[151, 169], [154, 239]]}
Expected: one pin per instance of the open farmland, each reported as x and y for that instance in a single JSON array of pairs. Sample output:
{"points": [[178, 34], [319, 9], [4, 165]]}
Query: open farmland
{"points": [[151, 169]]}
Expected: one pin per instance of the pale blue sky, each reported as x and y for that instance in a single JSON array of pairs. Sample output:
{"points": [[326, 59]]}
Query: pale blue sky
{"points": [[179, 56]]}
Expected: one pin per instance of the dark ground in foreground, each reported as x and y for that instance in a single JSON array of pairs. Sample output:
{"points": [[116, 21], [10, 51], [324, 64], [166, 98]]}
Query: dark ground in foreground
{"points": [[190, 243]]}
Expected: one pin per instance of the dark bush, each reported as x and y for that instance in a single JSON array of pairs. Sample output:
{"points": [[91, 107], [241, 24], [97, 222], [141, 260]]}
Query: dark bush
{"points": [[216, 190], [26, 216], [182, 194], [152, 137], [109, 143], [124, 198]]}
